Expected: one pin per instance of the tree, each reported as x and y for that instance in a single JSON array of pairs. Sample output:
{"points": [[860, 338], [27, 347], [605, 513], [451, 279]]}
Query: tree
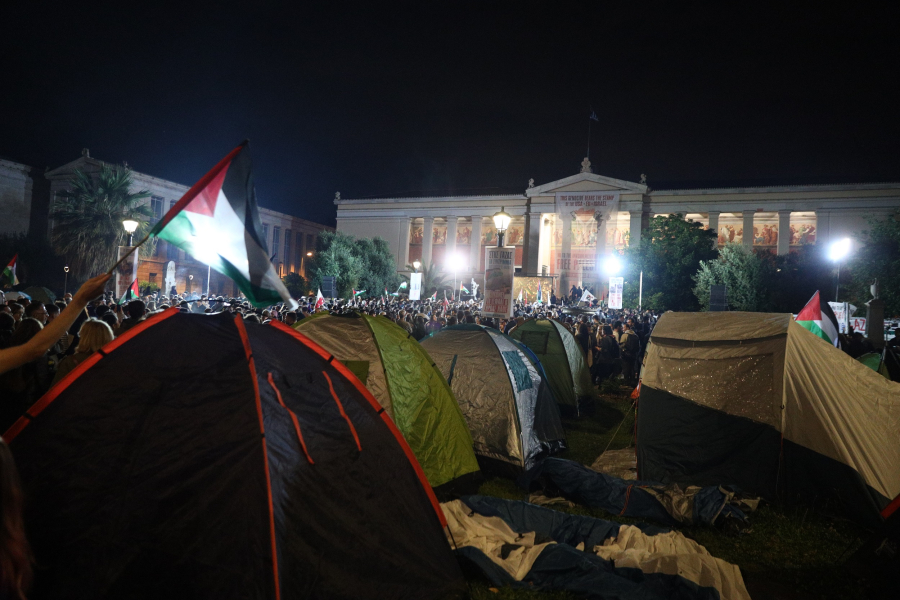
{"points": [[746, 275], [295, 284], [379, 269], [87, 221], [669, 255], [877, 257], [433, 280], [336, 257]]}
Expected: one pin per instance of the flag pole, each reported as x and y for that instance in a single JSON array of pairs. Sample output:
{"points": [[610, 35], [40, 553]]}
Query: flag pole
{"points": [[589, 138], [127, 254]]}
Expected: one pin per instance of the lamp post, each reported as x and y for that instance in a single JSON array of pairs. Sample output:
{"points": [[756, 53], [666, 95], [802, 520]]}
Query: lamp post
{"points": [[130, 227], [837, 252], [455, 263], [191, 283], [416, 265], [501, 223], [66, 284]]}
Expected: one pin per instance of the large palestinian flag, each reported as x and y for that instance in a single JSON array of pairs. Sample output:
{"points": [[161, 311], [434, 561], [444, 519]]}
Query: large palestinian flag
{"points": [[818, 317], [217, 223], [8, 275]]}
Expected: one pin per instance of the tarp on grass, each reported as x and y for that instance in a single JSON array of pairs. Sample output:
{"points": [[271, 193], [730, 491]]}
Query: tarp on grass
{"points": [[522, 545], [667, 504]]}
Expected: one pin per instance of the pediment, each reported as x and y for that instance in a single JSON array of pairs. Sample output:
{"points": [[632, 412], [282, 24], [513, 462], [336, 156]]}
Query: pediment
{"points": [[586, 182]]}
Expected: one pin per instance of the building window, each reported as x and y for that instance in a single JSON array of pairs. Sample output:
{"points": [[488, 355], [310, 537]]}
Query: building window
{"points": [[266, 237], [287, 247], [156, 205], [276, 239]]}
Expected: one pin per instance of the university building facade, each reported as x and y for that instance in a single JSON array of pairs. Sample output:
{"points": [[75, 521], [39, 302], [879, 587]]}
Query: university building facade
{"points": [[566, 244], [27, 198]]}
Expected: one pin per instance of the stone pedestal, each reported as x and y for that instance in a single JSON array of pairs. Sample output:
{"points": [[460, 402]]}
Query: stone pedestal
{"points": [[875, 322]]}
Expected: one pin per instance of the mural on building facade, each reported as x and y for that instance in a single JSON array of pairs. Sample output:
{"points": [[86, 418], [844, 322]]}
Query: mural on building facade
{"points": [[730, 232], [803, 232], [463, 234], [416, 234], [765, 234], [515, 235], [439, 235]]}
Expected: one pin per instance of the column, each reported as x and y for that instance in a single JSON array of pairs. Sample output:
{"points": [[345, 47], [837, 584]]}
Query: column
{"points": [[713, 217], [450, 246], [565, 255], [475, 240], [747, 241], [784, 232], [427, 240], [600, 247], [823, 226], [403, 250], [531, 246], [634, 227]]}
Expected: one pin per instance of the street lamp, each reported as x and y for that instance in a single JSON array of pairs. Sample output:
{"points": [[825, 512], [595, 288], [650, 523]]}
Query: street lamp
{"points": [[612, 265], [66, 284], [130, 227], [837, 252], [416, 265], [501, 223]]}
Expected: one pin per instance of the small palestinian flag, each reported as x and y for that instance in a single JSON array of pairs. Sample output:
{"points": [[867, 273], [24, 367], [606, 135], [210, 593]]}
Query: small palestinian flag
{"points": [[131, 293], [434, 296], [462, 288], [217, 222], [8, 276], [818, 317], [358, 293]]}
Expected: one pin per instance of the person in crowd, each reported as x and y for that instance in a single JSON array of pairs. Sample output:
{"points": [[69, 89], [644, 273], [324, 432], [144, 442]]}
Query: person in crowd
{"points": [[7, 326], [92, 336], [630, 346], [36, 311], [608, 356], [18, 311], [136, 310], [23, 385], [290, 318]]}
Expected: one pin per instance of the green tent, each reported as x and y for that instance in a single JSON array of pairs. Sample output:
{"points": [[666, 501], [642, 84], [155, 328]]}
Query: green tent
{"points": [[563, 362], [874, 361], [405, 381]]}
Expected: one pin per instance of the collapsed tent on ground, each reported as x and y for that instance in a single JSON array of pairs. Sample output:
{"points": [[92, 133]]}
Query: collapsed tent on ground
{"points": [[507, 404], [563, 362], [404, 380], [238, 463], [757, 401]]}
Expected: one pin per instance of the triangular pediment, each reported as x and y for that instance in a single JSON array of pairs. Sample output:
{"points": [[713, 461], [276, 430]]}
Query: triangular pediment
{"points": [[587, 182]]}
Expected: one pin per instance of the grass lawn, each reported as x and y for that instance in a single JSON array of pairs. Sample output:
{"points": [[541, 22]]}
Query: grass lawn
{"points": [[790, 552]]}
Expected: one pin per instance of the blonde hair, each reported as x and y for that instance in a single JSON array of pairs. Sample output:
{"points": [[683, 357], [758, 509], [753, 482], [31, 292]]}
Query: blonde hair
{"points": [[93, 335]]}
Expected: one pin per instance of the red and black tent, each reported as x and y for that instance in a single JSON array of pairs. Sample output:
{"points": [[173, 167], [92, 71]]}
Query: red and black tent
{"points": [[196, 457]]}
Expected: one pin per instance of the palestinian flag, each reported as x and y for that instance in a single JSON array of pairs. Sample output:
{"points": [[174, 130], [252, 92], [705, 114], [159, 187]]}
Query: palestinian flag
{"points": [[217, 222], [8, 276], [131, 293], [818, 317], [462, 288], [357, 293], [434, 296]]}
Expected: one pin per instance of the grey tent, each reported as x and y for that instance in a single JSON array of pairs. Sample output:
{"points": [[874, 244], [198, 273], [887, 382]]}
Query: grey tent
{"points": [[756, 400], [503, 394]]}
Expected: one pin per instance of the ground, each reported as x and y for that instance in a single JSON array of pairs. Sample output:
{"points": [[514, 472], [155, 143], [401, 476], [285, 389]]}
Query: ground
{"points": [[790, 553]]}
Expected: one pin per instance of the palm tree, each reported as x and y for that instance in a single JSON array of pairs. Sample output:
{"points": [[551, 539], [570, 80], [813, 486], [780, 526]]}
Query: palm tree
{"points": [[87, 221], [432, 278]]}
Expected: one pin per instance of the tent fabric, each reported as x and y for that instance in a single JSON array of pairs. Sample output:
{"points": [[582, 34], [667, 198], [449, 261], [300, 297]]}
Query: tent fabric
{"points": [[237, 472], [404, 380], [563, 361], [512, 419], [757, 400], [518, 544], [667, 504]]}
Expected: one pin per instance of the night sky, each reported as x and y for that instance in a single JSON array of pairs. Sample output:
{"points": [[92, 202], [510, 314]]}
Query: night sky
{"points": [[388, 98]]}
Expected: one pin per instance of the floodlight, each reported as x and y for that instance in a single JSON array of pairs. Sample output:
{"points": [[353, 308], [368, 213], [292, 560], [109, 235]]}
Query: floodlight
{"points": [[839, 250]]}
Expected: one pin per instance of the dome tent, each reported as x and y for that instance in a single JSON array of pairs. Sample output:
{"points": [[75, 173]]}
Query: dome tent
{"points": [[240, 463], [404, 380], [563, 362], [507, 404], [756, 400]]}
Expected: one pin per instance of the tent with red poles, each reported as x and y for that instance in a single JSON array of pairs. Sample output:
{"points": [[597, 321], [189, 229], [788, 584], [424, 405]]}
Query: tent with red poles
{"points": [[197, 456]]}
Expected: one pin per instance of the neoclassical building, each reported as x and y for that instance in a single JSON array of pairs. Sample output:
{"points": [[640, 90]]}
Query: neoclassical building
{"points": [[27, 198], [566, 242]]}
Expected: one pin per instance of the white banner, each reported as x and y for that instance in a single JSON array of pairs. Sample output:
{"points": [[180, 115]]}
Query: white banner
{"points": [[842, 312], [127, 271], [615, 291], [415, 286], [594, 202], [499, 270]]}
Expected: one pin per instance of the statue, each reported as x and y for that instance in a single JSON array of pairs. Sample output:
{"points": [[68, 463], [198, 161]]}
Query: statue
{"points": [[337, 196], [643, 179], [586, 165], [530, 183]]}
